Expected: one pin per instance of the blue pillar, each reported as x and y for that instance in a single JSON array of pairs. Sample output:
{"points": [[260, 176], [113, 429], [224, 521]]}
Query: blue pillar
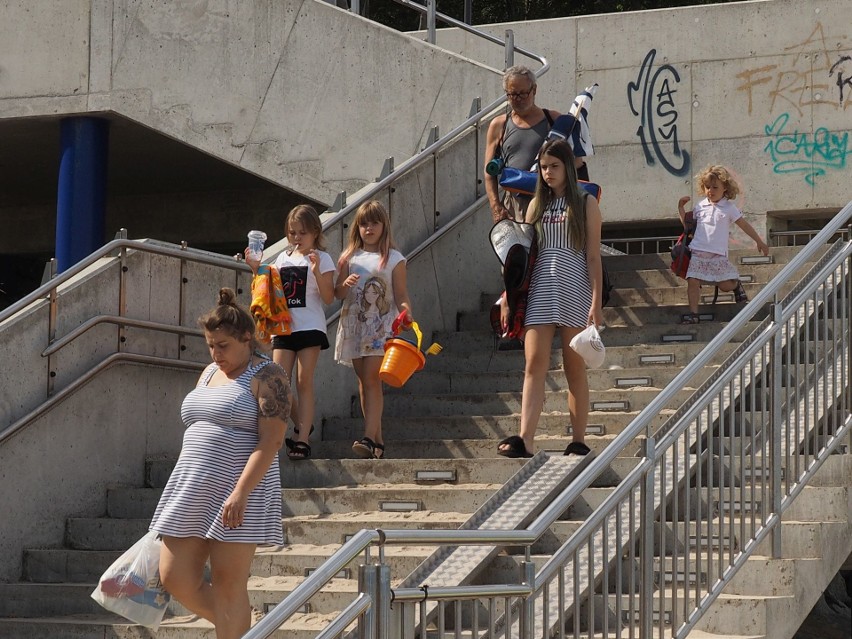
{"points": [[81, 196]]}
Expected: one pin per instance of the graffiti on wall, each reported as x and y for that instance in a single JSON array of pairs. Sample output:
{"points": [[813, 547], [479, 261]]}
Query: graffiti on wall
{"points": [[811, 155], [651, 99], [815, 74]]}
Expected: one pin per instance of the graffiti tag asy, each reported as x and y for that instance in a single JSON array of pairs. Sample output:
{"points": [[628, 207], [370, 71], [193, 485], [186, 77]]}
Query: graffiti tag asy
{"points": [[651, 99], [794, 152], [806, 80]]}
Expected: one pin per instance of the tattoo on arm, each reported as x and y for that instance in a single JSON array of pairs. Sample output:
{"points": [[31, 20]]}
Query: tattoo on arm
{"points": [[273, 397]]}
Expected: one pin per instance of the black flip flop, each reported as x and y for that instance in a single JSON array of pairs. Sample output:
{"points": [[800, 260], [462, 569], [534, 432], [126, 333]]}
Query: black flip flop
{"points": [[299, 451], [577, 448], [291, 443], [517, 448]]}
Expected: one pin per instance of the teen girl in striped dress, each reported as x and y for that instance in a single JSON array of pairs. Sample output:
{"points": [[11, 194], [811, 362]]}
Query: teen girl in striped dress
{"points": [[564, 296]]}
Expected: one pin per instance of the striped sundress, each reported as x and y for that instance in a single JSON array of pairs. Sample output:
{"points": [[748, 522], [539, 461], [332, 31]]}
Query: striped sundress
{"points": [[221, 434], [560, 291]]}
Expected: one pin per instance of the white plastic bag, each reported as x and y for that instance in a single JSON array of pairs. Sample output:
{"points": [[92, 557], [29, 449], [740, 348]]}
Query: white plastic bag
{"points": [[131, 586], [589, 346]]}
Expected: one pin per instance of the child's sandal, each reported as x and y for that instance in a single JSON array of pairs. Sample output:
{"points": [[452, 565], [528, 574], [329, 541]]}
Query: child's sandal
{"points": [[690, 318]]}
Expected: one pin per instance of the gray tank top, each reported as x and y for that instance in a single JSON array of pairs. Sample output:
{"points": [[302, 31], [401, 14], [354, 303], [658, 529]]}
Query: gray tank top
{"points": [[520, 146]]}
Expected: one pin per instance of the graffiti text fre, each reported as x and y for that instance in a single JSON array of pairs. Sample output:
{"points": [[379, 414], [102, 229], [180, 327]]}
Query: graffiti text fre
{"points": [[808, 79]]}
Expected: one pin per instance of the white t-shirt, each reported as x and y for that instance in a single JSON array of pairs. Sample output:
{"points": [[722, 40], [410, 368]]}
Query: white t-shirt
{"points": [[301, 290], [369, 308], [713, 225]]}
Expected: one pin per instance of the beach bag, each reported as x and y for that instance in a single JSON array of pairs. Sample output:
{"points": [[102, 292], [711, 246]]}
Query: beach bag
{"points": [[681, 254], [131, 586], [515, 245]]}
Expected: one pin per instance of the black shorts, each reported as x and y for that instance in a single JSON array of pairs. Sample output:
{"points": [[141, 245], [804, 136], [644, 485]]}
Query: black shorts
{"points": [[299, 340]]}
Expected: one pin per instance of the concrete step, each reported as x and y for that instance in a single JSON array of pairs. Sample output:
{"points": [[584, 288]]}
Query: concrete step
{"points": [[447, 430], [463, 342], [433, 382], [670, 296], [662, 261], [103, 625], [657, 278], [617, 357], [455, 448], [62, 565], [634, 399], [323, 472], [38, 600], [617, 315]]}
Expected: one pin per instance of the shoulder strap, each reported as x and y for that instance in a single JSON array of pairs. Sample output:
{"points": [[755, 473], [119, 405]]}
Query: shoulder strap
{"points": [[548, 116], [499, 149]]}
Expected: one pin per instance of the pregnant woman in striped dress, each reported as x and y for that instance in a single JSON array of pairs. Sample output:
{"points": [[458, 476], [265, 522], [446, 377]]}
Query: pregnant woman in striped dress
{"points": [[224, 496], [564, 296]]}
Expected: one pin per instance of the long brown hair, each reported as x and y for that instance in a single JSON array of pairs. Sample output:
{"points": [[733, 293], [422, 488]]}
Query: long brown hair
{"points": [[370, 211], [575, 212]]}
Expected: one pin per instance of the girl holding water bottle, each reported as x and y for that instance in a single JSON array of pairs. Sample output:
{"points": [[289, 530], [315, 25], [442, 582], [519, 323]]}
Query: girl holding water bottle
{"points": [[307, 275]]}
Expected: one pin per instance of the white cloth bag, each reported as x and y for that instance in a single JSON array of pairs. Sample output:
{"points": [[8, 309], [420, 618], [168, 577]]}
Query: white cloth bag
{"points": [[589, 346]]}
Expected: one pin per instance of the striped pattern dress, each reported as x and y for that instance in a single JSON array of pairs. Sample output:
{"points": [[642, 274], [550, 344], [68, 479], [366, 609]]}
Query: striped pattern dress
{"points": [[221, 434], [560, 291]]}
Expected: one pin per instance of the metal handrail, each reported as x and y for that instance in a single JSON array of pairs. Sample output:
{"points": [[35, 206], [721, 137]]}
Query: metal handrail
{"points": [[119, 321], [192, 255], [133, 358]]}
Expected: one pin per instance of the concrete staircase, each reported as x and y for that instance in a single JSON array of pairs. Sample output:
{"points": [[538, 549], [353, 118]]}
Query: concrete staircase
{"points": [[449, 418]]}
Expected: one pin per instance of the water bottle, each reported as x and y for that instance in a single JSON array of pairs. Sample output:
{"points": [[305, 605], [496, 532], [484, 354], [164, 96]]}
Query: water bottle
{"points": [[256, 240]]}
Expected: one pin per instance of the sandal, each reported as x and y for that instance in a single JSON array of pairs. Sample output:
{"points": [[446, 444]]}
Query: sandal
{"points": [[299, 450], [739, 293], [291, 443], [577, 448], [690, 318], [366, 448], [517, 448]]}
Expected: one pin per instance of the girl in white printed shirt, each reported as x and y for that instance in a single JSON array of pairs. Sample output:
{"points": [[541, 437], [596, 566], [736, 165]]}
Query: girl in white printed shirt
{"points": [[307, 274]]}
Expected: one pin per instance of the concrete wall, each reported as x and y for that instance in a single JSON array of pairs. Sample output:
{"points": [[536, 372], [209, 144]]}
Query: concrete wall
{"points": [[296, 91], [61, 465], [763, 87]]}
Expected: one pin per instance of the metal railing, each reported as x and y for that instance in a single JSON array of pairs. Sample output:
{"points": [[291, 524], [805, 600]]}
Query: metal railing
{"points": [[709, 489]]}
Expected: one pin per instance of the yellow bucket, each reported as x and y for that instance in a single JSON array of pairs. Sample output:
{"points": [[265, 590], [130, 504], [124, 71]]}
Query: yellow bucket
{"points": [[402, 359]]}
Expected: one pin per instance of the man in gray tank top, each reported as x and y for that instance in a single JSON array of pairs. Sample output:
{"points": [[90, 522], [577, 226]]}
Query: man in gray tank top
{"points": [[517, 139]]}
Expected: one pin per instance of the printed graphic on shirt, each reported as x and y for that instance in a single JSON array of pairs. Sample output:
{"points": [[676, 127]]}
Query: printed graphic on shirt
{"points": [[294, 279]]}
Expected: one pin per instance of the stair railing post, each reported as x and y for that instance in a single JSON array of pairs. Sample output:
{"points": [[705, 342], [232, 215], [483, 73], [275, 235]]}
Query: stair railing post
{"points": [[382, 603], [775, 428], [430, 21], [526, 623], [646, 545], [368, 583], [509, 49], [846, 299]]}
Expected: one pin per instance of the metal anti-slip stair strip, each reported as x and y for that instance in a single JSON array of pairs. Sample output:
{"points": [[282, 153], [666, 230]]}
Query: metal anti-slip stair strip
{"points": [[516, 504]]}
